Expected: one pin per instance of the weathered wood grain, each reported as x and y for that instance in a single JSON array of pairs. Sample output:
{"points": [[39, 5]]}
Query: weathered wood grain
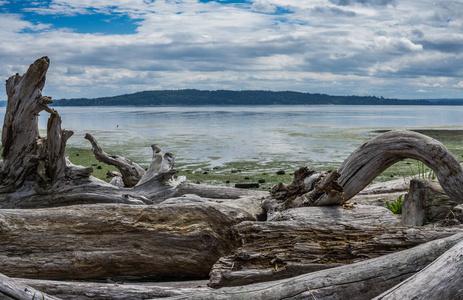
{"points": [[309, 239], [362, 280], [182, 239], [442, 279]]}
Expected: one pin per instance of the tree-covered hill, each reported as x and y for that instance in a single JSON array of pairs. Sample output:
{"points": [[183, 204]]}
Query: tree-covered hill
{"points": [[227, 97]]}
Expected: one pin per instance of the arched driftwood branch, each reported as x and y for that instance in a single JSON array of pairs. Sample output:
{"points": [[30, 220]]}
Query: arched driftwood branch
{"points": [[381, 152], [363, 166]]}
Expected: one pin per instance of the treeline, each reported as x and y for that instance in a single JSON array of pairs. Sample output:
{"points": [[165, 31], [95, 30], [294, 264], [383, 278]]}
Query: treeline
{"points": [[227, 97]]}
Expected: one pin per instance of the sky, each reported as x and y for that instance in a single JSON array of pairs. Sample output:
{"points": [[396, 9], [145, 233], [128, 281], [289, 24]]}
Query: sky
{"points": [[396, 49]]}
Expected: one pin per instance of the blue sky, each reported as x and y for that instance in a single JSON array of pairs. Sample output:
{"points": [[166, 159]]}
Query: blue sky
{"points": [[390, 48]]}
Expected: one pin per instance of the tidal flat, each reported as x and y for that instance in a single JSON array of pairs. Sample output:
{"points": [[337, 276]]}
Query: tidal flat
{"points": [[266, 171]]}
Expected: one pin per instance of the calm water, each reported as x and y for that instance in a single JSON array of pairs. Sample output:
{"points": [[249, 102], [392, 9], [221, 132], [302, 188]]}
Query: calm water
{"points": [[216, 135]]}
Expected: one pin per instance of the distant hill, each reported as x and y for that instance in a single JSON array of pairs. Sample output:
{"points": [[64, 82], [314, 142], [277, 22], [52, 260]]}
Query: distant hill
{"points": [[227, 97]]}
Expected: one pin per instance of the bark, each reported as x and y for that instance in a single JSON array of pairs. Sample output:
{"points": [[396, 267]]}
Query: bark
{"points": [[179, 239], [309, 239], [360, 280], [439, 280]]}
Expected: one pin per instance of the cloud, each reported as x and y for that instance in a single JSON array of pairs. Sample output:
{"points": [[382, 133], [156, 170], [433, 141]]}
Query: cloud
{"points": [[263, 6], [371, 3], [377, 47], [459, 85]]}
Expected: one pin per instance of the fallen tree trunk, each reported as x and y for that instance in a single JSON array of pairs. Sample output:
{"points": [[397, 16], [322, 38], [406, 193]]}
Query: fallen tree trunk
{"points": [[80, 290], [181, 240], [362, 280], [439, 280], [308, 239]]}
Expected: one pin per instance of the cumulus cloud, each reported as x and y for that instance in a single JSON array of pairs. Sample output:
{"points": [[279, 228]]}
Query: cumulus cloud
{"points": [[263, 6], [305, 45]]}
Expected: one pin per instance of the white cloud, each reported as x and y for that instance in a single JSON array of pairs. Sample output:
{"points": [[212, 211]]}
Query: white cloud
{"points": [[263, 6], [370, 46], [459, 85]]}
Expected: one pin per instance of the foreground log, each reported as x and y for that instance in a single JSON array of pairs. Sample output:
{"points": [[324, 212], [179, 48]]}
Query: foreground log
{"points": [[308, 239], [439, 280], [80, 290], [362, 280], [11, 289], [181, 240]]}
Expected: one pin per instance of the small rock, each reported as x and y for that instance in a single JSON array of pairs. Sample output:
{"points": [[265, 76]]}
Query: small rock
{"points": [[99, 167], [261, 181], [205, 173], [246, 178], [281, 172], [250, 185], [77, 154]]}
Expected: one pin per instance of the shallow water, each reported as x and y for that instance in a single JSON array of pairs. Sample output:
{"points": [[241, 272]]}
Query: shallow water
{"points": [[215, 135]]}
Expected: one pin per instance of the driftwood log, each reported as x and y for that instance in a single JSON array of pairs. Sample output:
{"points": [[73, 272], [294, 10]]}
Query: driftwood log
{"points": [[182, 239], [362, 166], [11, 289], [308, 239], [362, 280]]}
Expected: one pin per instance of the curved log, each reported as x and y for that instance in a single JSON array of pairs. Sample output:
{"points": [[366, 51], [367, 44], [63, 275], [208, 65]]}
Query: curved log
{"points": [[381, 152], [310, 188]]}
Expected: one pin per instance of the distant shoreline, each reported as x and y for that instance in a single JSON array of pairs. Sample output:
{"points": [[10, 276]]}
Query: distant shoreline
{"points": [[192, 97]]}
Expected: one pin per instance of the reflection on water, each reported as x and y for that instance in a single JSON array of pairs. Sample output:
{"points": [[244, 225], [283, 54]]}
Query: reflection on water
{"points": [[219, 134]]}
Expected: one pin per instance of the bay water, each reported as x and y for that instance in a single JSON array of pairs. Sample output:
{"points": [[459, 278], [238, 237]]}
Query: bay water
{"points": [[215, 135]]}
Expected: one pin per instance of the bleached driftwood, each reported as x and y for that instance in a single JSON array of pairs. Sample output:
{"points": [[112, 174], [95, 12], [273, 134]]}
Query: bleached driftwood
{"points": [[439, 280], [110, 290], [308, 239], [181, 239], [11, 289], [365, 164], [362, 280], [34, 172]]}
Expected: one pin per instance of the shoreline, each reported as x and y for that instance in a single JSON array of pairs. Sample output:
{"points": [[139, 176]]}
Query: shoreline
{"points": [[269, 173]]}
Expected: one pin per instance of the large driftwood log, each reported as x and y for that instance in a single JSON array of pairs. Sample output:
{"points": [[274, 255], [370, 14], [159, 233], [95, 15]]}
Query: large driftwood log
{"points": [[180, 239], [308, 239], [362, 280]]}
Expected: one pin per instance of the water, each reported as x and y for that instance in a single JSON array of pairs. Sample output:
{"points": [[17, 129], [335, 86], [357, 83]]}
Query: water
{"points": [[215, 135]]}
